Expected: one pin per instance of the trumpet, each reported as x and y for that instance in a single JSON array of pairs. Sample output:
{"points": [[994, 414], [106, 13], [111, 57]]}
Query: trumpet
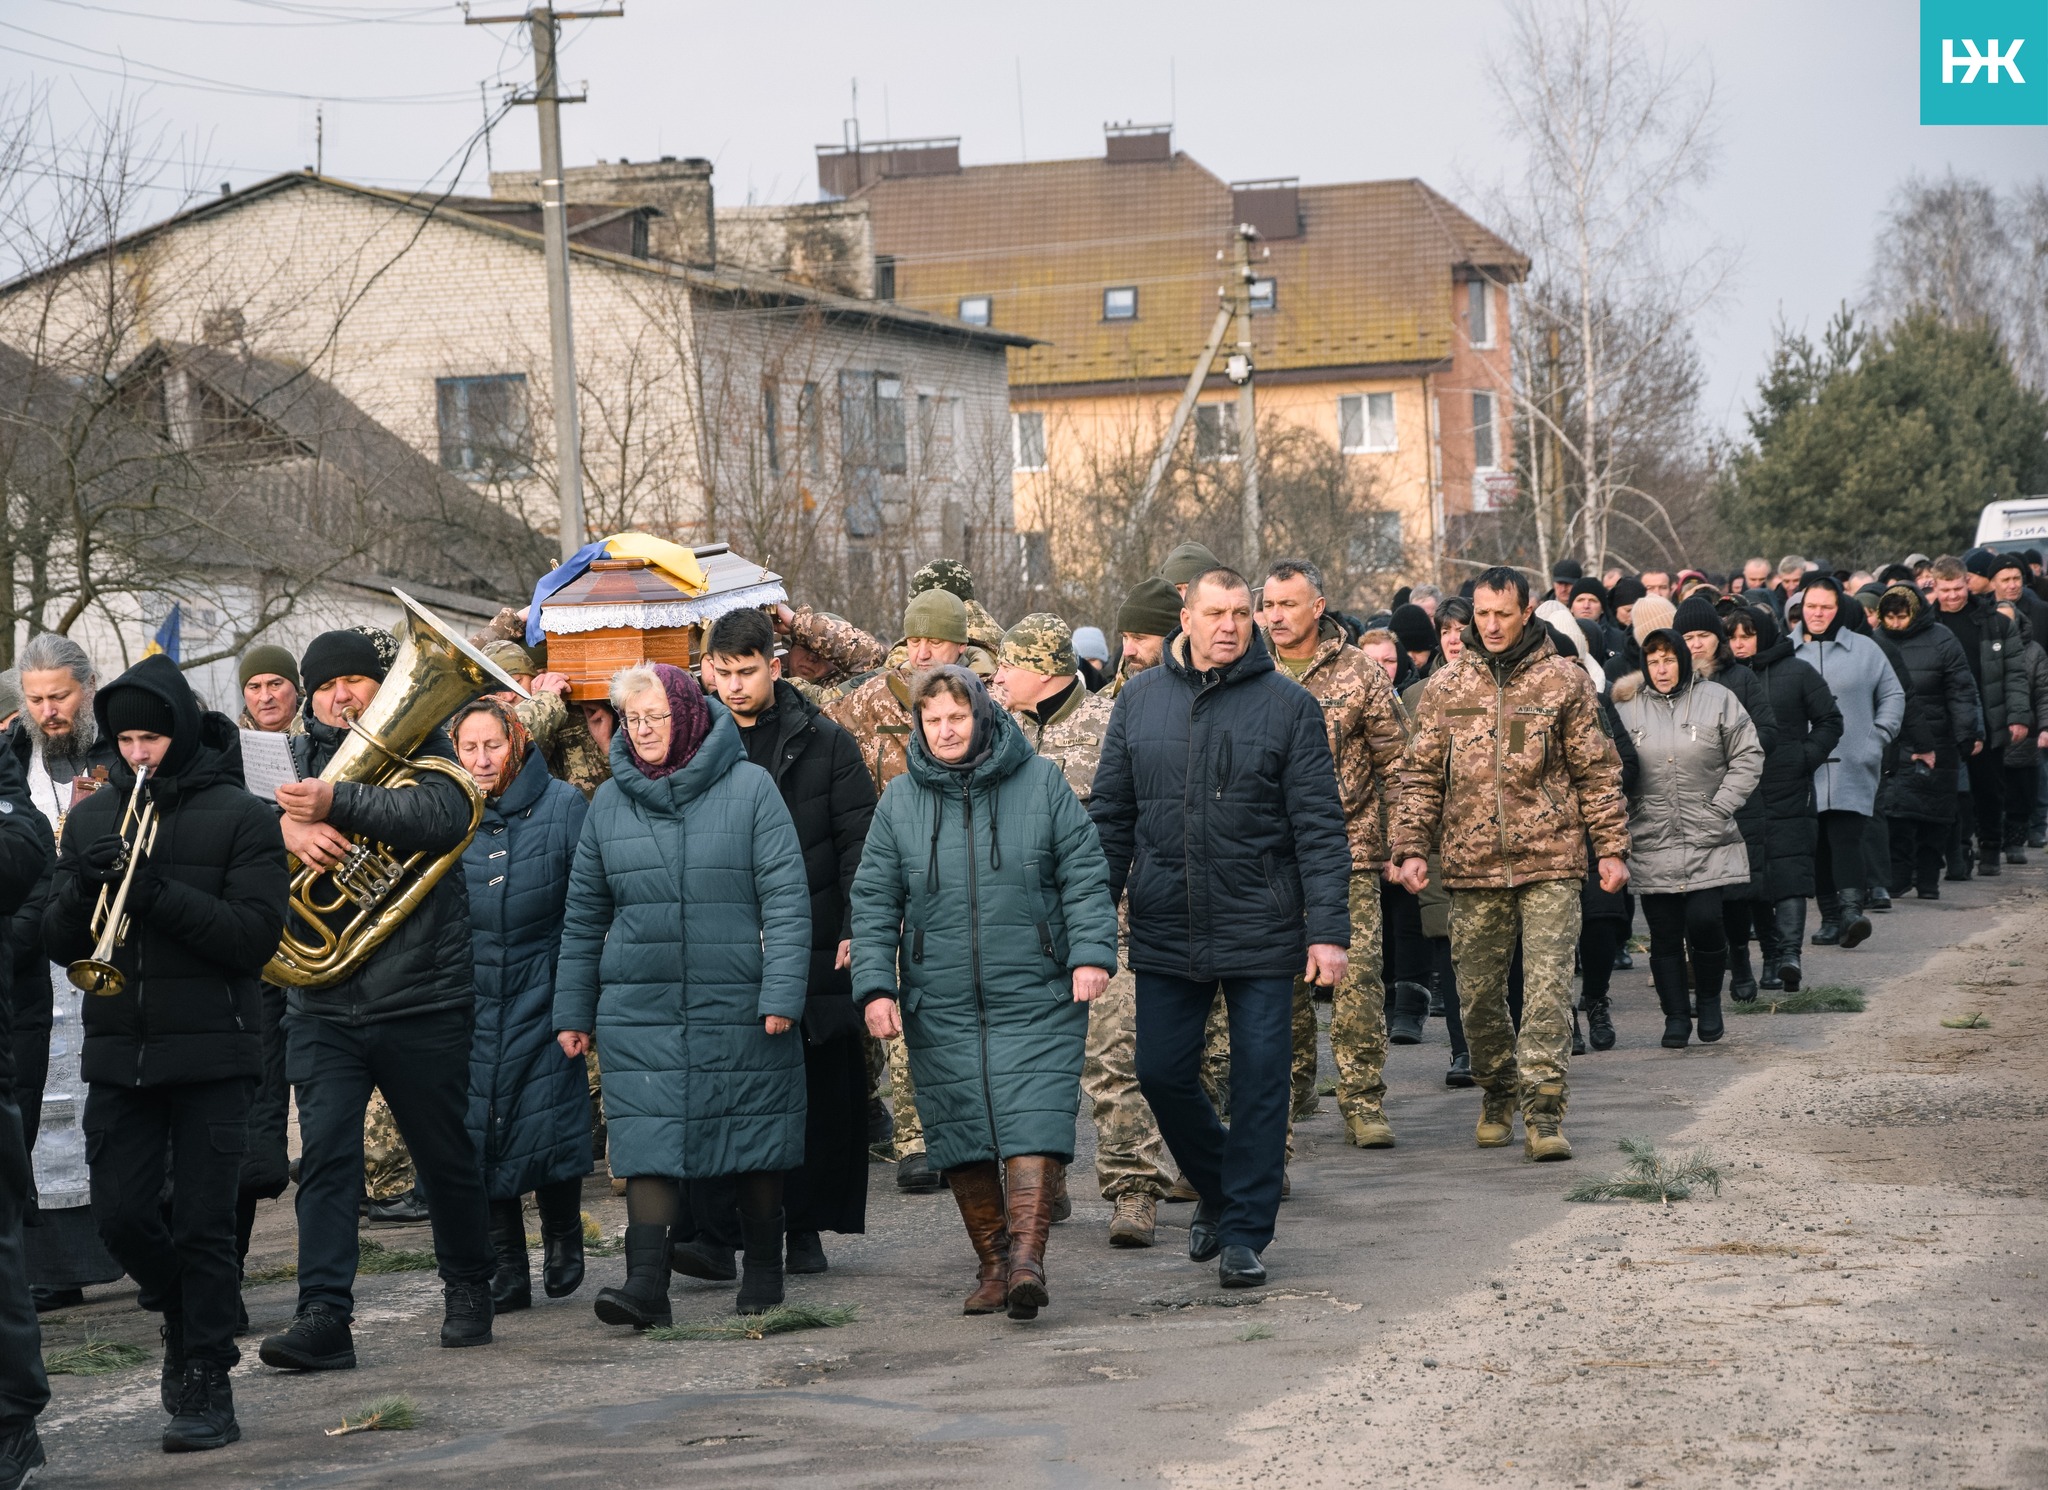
{"points": [[97, 973]]}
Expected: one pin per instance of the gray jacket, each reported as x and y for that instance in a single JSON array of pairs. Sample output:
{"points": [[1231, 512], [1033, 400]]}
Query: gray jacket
{"points": [[1873, 704], [1698, 760]]}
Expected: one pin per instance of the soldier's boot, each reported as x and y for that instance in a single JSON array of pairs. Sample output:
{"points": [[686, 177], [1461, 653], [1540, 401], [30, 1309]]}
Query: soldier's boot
{"points": [[1791, 919], [512, 1284], [1411, 1007], [1599, 1021], [1707, 970], [1543, 1137], [1136, 1222], [978, 1191], [1496, 1128], [1182, 1192], [1668, 973], [1027, 1193], [1742, 984], [1855, 925], [1830, 932], [1369, 1129]]}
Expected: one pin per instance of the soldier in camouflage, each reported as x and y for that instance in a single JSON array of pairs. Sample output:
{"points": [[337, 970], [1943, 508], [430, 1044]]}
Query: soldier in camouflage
{"points": [[1509, 774], [1363, 719], [561, 734], [828, 656], [983, 629], [1038, 680], [877, 715], [388, 1179]]}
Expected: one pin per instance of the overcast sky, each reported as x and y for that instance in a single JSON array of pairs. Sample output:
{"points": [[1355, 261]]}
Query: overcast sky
{"points": [[1818, 102]]}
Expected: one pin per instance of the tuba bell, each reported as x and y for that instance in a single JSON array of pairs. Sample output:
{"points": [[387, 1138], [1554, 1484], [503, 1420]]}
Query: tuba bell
{"points": [[339, 916]]}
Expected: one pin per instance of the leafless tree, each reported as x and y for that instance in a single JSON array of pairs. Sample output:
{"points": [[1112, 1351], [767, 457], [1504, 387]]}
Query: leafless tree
{"points": [[1612, 137], [1954, 246]]}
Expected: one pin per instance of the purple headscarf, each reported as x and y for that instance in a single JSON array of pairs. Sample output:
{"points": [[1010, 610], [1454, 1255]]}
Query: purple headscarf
{"points": [[689, 722]]}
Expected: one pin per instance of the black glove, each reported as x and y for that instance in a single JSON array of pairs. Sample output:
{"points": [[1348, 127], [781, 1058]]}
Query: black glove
{"points": [[104, 860], [144, 889]]}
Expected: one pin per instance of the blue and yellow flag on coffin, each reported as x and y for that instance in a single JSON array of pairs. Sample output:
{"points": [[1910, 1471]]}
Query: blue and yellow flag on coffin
{"points": [[166, 639]]}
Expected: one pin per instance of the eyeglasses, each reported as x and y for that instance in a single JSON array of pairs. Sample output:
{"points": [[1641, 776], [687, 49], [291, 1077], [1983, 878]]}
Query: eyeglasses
{"points": [[645, 721]]}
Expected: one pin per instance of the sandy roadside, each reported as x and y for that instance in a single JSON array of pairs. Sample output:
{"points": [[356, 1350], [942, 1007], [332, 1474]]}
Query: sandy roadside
{"points": [[1862, 1305]]}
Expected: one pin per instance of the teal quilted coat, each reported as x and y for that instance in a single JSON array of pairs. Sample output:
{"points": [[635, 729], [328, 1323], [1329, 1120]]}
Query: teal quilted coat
{"points": [[977, 896], [688, 923]]}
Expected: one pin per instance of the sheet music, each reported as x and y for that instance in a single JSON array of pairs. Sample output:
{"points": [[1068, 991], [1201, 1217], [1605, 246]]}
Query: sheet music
{"points": [[267, 762]]}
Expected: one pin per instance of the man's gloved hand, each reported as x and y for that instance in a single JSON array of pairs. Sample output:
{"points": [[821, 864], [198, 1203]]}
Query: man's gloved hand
{"points": [[104, 860]]}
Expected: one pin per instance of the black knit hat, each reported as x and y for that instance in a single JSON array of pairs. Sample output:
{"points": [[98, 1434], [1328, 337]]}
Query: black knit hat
{"points": [[1413, 628], [1588, 586], [1570, 569], [138, 709], [1627, 591], [339, 654], [1981, 562], [1697, 613]]}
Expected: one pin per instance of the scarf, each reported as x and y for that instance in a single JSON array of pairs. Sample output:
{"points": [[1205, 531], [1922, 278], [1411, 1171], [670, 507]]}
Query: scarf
{"points": [[689, 722], [522, 742]]}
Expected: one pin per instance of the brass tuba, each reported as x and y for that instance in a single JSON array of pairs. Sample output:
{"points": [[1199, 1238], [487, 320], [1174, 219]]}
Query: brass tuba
{"points": [[346, 912]]}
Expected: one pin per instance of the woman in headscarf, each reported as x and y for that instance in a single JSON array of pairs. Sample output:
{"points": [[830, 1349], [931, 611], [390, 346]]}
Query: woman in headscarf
{"points": [[685, 950], [982, 928], [528, 1112], [1698, 761]]}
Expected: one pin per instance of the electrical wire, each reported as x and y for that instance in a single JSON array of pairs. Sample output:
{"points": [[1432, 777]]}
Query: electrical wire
{"points": [[415, 17]]}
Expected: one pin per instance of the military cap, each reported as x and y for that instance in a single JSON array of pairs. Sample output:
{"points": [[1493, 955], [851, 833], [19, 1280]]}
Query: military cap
{"points": [[944, 574], [1185, 562], [1040, 643]]}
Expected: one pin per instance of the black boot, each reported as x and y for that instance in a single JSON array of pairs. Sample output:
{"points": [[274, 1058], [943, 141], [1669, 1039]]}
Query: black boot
{"points": [[1830, 933], [1987, 861], [561, 1236], [512, 1284], [643, 1301], [1460, 1072], [1768, 953], [1879, 901], [761, 1283], [172, 1383], [1791, 917], [1599, 1021], [1742, 984], [1411, 1007], [206, 1411], [1958, 860], [1707, 971], [806, 1253], [1855, 925], [1578, 1035], [1668, 973]]}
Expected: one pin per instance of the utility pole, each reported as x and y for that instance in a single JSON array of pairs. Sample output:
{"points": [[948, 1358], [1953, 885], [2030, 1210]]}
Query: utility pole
{"points": [[544, 24]]}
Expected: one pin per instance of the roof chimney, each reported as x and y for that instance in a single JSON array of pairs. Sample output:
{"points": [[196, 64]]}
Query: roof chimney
{"points": [[1272, 206], [1129, 143]]}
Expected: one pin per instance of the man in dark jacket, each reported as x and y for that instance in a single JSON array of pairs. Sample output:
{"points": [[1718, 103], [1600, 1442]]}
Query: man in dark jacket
{"points": [[26, 852], [173, 1037], [1993, 650], [399, 1022], [830, 797], [1943, 724], [1216, 801]]}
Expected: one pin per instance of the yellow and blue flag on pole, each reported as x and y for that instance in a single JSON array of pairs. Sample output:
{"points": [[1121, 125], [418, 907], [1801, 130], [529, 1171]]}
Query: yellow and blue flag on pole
{"points": [[167, 635]]}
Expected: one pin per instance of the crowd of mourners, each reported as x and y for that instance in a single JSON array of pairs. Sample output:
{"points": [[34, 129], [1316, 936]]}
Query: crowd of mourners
{"points": [[728, 935]]}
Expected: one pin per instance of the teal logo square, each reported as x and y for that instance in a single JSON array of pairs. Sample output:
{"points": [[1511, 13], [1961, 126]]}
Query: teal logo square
{"points": [[1984, 61]]}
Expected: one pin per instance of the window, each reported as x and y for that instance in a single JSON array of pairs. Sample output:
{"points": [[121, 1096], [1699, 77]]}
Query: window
{"points": [[1483, 457], [1215, 431], [485, 425], [771, 426], [810, 429], [977, 310], [1479, 313], [871, 444], [1034, 557], [935, 421], [1378, 543], [1265, 294], [892, 452], [1028, 440], [1365, 421], [1120, 304], [885, 276]]}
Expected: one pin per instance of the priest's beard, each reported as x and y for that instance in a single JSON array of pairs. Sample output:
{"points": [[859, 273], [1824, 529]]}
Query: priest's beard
{"points": [[67, 749]]}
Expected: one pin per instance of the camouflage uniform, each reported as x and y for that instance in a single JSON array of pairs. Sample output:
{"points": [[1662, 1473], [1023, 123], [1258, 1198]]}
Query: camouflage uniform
{"points": [[1130, 1156], [1509, 774], [877, 715], [387, 1166], [837, 641], [564, 742]]}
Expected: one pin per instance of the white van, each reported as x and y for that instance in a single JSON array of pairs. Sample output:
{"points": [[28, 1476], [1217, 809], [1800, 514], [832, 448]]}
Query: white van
{"points": [[2019, 520]]}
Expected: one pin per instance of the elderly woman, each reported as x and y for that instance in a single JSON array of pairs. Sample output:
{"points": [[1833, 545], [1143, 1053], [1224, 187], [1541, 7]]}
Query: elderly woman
{"points": [[685, 947], [982, 927], [1697, 762], [527, 1110]]}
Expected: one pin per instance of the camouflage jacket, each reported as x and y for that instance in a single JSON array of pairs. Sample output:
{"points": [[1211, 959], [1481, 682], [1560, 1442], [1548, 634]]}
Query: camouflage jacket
{"points": [[1072, 738], [564, 742], [877, 715], [840, 643], [1510, 771], [1366, 738]]}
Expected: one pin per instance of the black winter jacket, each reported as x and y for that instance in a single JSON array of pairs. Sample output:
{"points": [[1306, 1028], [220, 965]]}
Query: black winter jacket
{"points": [[204, 907], [424, 965], [831, 797], [26, 854], [1938, 678], [2001, 672], [1755, 698], [1216, 802], [1809, 727]]}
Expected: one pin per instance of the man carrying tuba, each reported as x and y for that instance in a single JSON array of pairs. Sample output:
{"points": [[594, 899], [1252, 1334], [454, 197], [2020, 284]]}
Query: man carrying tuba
{"points": [[168, 893], [397, 1020]]}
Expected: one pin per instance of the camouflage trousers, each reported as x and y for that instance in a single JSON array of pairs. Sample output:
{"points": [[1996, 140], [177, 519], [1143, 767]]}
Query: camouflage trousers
{"points": [[387, 1166], [1485, 926], [1130, 1156], [1358, 1010], [903, 1101]]}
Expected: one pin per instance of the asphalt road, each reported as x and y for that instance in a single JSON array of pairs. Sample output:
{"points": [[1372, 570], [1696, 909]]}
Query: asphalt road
{"points": [[1139, 1362]]}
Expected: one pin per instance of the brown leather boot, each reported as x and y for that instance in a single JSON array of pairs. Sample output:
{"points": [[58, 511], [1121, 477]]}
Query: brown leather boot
{"points": [[1032, 1192], [978, 1191]]}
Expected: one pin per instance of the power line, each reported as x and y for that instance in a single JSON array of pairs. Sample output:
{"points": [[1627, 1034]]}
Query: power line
{"points": [[418, 16]]}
